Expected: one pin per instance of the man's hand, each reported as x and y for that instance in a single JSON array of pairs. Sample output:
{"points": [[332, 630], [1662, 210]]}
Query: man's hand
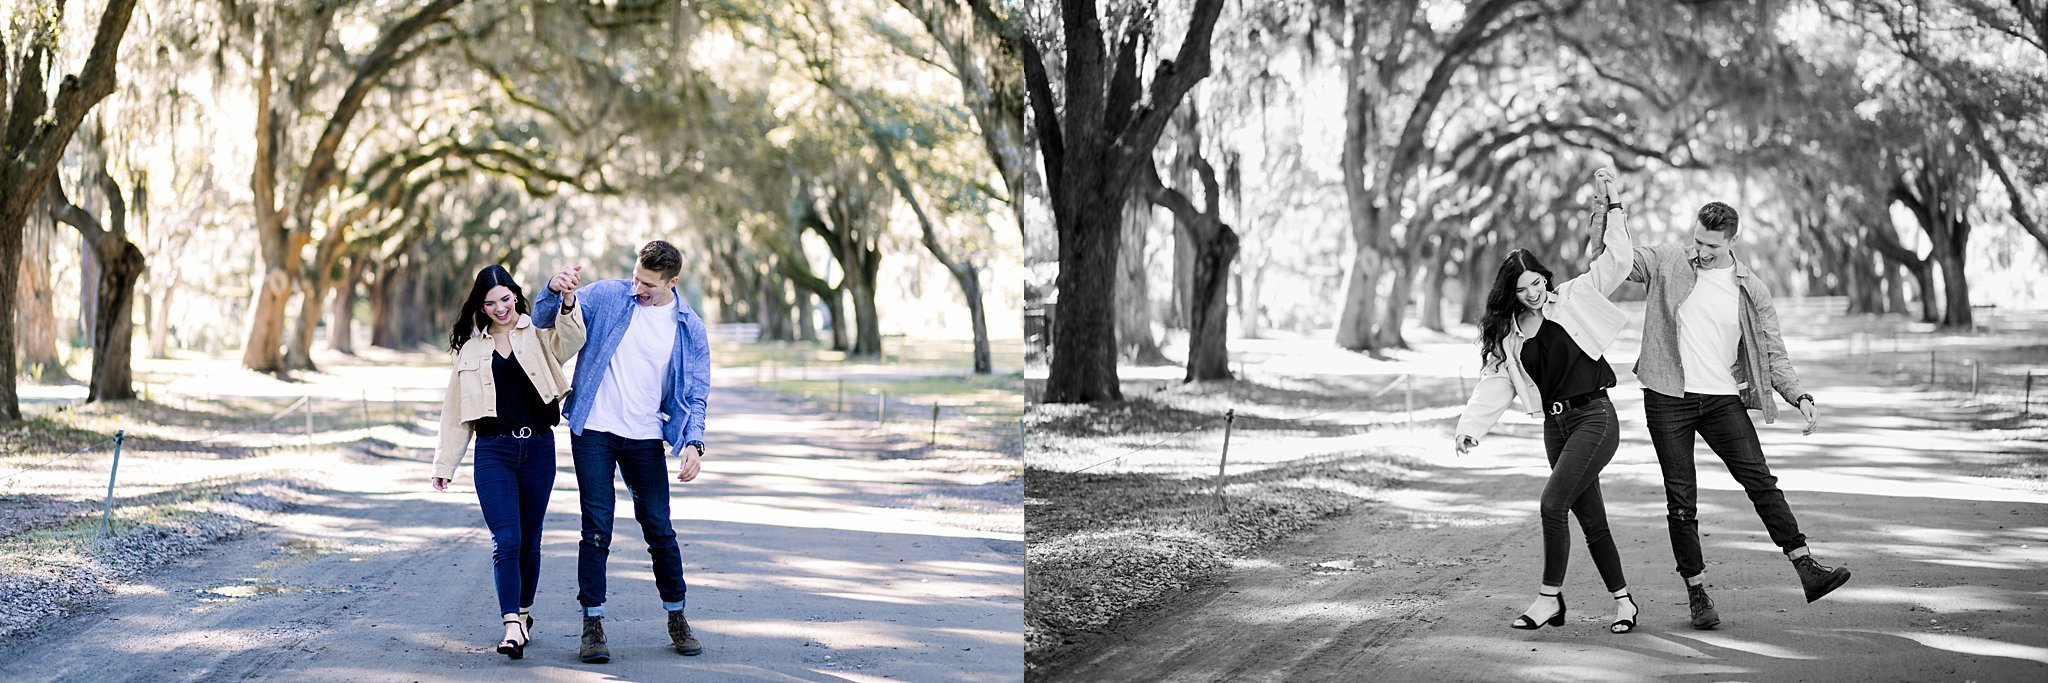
{"points": [[693, 460], [440, 484], [1812, 417], [566, 281], [1465, 443], [1606, 177]]}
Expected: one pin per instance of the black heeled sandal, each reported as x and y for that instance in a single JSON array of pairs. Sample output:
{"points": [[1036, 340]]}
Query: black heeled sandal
{"points": [[1523, 622], [516, 649], [1626, 625]]}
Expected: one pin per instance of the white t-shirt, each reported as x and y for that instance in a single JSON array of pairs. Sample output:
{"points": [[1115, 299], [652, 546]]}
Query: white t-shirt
{"points": [[628, 401], [1707, 331]]}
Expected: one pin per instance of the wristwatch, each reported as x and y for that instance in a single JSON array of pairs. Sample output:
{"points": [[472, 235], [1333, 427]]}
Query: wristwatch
{"points": [[698, 444], [1804, 398], [1613, 205]]}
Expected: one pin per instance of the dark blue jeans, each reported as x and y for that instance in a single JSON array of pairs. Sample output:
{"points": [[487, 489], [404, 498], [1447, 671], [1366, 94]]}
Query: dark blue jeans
{"points": [[513, 480], [1724, 423], [1580, 443], [641, 463]]}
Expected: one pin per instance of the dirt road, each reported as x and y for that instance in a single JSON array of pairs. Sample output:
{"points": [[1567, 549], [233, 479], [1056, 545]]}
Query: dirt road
{"points": [[1945, 528], [811, 555]]}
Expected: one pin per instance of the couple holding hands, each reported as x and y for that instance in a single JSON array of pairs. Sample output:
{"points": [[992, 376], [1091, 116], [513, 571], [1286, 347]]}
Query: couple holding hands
{"points": [[639, 393], [1711, 351]]}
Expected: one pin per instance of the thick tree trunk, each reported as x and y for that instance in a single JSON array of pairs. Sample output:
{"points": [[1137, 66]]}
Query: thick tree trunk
{"points": [[121, 265], [1361, 296], [1433, 291], [806, 318], [1955, 281], [1133, 297], [341, 324], [835, 308], [1208, 331], [1894, 288], [319, 281], [1400, 292], [1084, 349], [1930, 306], [969, 279], [1472, 276], [36, 312]]}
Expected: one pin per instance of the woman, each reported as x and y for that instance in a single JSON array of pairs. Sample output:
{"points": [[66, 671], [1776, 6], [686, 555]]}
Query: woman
{"points": [[507, 392], [1544, 344]]}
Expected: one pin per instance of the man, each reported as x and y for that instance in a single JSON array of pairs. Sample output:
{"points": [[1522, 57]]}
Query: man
{"points": [[639, 392], [1711, 348]]}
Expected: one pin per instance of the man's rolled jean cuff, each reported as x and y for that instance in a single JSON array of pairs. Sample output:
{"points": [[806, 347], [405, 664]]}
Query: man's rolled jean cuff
{"points": [[594, 611], [676, 606]]}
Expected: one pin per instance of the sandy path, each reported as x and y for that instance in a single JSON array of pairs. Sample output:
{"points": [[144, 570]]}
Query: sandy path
{"points": [[1950, 562], [808, 556]]}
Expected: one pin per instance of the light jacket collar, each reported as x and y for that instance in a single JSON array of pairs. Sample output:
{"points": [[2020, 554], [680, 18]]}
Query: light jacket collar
{"points": [[525, 321]]}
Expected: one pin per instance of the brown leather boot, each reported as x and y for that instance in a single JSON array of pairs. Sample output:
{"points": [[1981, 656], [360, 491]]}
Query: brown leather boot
{"points": [[679, 633], [594, 650]]}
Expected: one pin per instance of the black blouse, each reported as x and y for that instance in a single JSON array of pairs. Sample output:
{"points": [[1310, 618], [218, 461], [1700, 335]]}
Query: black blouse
{"points": [[1560, 369], [519, 404]]}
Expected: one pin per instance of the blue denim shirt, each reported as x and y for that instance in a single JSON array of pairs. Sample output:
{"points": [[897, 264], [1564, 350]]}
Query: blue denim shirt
{"points": [[607, 308]]}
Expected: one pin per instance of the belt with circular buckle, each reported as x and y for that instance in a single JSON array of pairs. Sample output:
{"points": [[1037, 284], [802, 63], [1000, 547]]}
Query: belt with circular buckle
{"points": [[520, 433], [1559, 407]]}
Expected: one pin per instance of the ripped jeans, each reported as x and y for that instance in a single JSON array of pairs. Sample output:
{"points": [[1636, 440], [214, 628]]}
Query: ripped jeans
{"points": [[640, 461], [1724, 424]]}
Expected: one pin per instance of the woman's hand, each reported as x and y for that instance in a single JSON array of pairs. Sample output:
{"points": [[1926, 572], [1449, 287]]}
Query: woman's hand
{"points": [[566, 280], [1465, 443], [440, 484], [1606, 177]]}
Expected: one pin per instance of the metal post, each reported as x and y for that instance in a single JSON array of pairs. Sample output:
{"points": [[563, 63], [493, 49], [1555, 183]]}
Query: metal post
{"points": [[935, 423], [882, 410], [1229, 419], [308, 412], [366, 409], [2028, 411], [839, 406], [1930, 368], [1974, 365], [107, 514]]}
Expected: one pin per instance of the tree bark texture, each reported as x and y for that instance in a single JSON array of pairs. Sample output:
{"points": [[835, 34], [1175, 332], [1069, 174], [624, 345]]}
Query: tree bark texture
{"points": [[1092, 148], [34, 131]]}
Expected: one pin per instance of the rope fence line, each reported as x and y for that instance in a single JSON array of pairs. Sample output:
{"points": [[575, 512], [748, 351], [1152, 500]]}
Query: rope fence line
{"points": [[107, 510], [1229, 419], [53, 461]]}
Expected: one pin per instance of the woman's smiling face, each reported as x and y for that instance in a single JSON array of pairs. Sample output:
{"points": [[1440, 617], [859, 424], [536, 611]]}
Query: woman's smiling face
{"points": [[501, 305], [1532, 289]]}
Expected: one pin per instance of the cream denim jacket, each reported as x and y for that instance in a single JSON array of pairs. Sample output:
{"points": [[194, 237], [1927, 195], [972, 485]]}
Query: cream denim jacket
{"points": [[1581, 307], [473, 394]]}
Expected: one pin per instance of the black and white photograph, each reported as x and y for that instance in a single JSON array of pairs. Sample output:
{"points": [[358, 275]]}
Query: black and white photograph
{"points": [[1537, 340]]}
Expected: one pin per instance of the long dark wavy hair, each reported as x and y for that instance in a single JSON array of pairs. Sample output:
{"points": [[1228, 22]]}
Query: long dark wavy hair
{"points": [[472, 316], [1501, 306]]}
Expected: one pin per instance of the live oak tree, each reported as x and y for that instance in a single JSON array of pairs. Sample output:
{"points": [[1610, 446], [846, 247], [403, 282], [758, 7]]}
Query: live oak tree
{"points": [[1095, 136], [35, 127]]}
